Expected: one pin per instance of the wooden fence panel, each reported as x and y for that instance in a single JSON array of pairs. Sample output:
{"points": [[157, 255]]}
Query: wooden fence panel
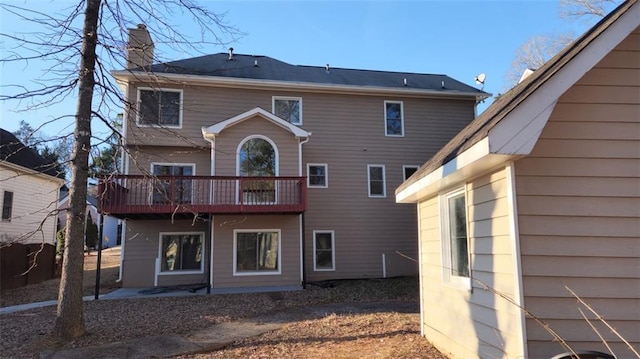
{"points": [[16, 259]]}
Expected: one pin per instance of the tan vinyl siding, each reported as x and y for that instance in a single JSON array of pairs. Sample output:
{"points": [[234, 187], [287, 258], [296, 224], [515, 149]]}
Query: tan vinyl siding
{"points": [[579, 218], [143, 247], [143, 156], [35, 197], [288, 225], [227, 143], [348, 133], [476, 324]]}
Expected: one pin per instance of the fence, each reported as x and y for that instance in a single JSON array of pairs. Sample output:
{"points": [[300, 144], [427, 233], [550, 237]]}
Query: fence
{"points": [[16, 259]]}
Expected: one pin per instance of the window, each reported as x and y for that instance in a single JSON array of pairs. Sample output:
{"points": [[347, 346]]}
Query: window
{"points": [[394, 118], [256, 252], [181, 252], [323, 251], [159, 107], [288, 108], [455, 242], [377, 187], [317, 175], [166, 189], [407, 171], [7, 205], [257, 157]]}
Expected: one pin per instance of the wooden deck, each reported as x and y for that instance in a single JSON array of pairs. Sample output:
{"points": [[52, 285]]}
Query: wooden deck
{"points": [[161, 196]]}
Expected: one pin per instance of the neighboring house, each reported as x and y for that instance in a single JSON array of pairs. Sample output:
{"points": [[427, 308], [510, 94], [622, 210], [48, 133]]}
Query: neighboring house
{"points": [[267, 174], [29, 193], [540, 192], [110, 232]]}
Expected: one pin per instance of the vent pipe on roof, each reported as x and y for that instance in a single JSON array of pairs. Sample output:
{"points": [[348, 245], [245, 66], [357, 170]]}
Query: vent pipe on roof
{"points": [[442, 85], [405, 82], [255, 63], [230, 53], [326, 68]]}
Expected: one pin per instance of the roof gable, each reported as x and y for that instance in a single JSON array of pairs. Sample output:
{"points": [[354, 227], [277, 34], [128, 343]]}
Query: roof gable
{"points": [[214, 130], [511, 125], [15, 152]]}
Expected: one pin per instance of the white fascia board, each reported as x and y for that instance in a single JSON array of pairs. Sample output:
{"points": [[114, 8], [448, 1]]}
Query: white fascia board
{"points": [[212, 131], [469, 163], [255, 83]]}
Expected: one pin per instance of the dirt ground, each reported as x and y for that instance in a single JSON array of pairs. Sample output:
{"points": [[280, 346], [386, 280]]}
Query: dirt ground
{"points": [[373, 335], [48, 290]]}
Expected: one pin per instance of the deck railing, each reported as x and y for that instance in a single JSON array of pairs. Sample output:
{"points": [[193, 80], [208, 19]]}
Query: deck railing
{"points": [[121, 195]]}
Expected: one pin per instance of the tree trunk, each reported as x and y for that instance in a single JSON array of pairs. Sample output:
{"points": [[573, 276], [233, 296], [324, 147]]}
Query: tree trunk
{"points": [[70, 315]]}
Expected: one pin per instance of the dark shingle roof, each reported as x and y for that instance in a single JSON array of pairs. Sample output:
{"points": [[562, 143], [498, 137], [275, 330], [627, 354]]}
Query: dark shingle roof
{"points": [[14, 151], [480, 127], [244, 67]]}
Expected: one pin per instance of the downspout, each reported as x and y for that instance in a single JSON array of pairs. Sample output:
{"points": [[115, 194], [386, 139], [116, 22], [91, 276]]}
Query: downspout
{"points": [[211, 139], [124, 168], [303, 230]]}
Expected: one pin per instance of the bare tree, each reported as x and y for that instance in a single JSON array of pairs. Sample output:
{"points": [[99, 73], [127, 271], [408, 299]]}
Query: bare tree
{"points": [[81, 47], [537, 50]]}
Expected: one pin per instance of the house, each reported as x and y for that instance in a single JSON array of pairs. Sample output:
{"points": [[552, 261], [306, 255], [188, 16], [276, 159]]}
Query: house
{"points": [[540, 193], [110, 225], [29, 188], [244, 171]]}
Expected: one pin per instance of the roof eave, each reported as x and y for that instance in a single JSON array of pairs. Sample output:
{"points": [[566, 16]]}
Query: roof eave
{"points": [[29, 171], [125, 76]]}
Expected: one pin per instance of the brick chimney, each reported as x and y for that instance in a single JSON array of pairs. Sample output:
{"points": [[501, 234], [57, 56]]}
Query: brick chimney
{"points": [[140, 48]]}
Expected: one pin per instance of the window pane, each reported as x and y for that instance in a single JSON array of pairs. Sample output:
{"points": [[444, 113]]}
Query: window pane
{"points": [[7, 204], [170, 108], [324, 251], [288, 110], [458, 240], [393, 118], [148, 107], [317, 176], [257, 158], [376, 181], [257, 251], [268, 247], [181, 252], [246, 252]]}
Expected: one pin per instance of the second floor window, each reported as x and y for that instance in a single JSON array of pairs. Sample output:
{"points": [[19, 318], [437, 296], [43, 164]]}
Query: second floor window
{"points": [[317, 175], [288, 109], [394, 118], [159, 107]]}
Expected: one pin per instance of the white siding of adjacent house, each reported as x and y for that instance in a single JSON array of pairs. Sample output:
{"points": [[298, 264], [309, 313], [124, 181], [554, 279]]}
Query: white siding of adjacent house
{"points": [[35, 199], [479, 323], [579, 210]]}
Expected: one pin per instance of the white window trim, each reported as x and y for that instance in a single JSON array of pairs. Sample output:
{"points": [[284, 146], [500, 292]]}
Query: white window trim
{"points": [[404, 168], [256, 273], [162, 89], [401, 119], [192, 165], [273, 106], [333, 251], [159, 271], [445, 236], [384, 182], [326, 175]]}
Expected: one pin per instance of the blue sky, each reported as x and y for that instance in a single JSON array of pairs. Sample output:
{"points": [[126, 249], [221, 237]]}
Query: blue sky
{"points": [[459, 38]]}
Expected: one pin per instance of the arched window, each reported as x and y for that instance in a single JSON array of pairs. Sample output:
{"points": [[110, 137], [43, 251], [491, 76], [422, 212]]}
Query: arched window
{"points": [[257, 158]]}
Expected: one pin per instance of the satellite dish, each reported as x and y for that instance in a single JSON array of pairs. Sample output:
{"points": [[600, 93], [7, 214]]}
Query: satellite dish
{"points": [[480, 79]]}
